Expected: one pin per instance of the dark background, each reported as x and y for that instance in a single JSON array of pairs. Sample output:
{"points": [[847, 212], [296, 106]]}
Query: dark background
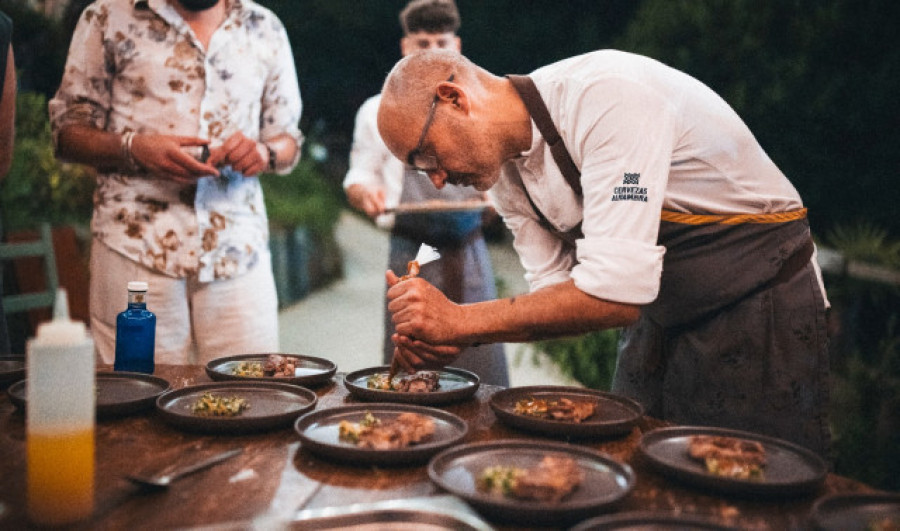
{"points": [[817, 81]]}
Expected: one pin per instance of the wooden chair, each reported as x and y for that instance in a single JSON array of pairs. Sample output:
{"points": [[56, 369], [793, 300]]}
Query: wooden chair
{"points": [[42, 248]]}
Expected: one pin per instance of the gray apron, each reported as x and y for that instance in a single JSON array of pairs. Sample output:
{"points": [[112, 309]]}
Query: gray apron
{"points": [[463, 273], [737, 337]]}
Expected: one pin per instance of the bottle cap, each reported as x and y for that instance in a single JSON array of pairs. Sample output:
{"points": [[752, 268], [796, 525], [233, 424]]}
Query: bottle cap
{"points": [[61, 330], [135, 285]]}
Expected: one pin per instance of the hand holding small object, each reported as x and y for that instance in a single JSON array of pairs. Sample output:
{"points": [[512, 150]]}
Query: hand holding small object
{"points": [[425, 255]]}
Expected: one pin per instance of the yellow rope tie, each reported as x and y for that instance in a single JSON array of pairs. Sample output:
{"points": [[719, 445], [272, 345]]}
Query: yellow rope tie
{"points": [[731, 219]]}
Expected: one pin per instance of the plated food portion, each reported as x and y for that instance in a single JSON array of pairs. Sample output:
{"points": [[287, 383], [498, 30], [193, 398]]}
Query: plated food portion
{"points": [[235, 407], [550, 480], [556, 408], [532, 483], [728, 457], [118, 394], [562, 411], [423, 388], [420, 382], [386, 434], [406, 429], [282, 368], [733, 461]]}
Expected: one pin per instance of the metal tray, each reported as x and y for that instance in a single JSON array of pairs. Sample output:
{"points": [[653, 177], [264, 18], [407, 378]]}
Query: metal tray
{"points": [[272, 405], [426, 513], [455, 385], [615, 414]]}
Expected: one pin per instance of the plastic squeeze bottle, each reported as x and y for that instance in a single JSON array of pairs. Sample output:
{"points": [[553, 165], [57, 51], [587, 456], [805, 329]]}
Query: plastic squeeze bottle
{"points": [[135, 333], [59, 436]]}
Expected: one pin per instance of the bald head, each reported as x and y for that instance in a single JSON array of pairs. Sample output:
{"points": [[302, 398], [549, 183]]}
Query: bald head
{"points": [[409, 90], [477, 119]]}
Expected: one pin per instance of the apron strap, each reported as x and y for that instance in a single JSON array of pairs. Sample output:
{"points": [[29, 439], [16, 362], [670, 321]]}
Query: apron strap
{"points": [[541, 116]]}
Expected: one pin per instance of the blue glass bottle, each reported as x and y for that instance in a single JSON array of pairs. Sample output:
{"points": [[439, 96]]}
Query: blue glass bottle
{"points": [[135, 333]]}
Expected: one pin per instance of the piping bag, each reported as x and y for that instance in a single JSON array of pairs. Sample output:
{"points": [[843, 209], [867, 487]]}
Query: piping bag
{"points": [[426, 254]]}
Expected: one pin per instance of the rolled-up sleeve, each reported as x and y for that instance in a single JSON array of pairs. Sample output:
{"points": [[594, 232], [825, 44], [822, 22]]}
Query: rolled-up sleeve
{"points": [[626, 156], [368, 154], [84, 94], [281, 103]]}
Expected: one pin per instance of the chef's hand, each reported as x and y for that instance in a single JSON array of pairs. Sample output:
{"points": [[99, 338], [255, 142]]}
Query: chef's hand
{"points": [[368, 199], [243, 154], [164, 156], [414, 355], [420, 310]]}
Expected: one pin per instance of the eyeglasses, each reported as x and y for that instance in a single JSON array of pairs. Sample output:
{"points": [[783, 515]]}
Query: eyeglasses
{"points": [[416, 158]]}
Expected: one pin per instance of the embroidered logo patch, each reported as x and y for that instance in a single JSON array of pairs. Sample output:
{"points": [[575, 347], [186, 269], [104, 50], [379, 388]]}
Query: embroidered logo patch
{"points": [[630, 191]]}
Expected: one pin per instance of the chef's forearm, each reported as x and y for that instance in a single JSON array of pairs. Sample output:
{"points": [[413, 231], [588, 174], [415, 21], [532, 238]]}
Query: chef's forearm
{"points": [[554, 311]]}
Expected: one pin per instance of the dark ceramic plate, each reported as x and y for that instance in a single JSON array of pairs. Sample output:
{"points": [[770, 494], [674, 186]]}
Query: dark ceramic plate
{"points": [[606, 481], [645, 521], [272, 405], [850, 512], [118, 393], [614, 415], [319, 434], [310, 371], [12, 369], [790, 469], [455, 385]]}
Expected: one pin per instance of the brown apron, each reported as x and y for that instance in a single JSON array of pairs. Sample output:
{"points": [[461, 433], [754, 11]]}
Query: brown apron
{"points": [[737, 336]]}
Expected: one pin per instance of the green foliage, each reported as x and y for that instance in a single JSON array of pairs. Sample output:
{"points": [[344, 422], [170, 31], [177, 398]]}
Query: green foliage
{"points": [[303, 198], [867, 446], [865, 242], [589, 359], [815, 81], [39, 187]]}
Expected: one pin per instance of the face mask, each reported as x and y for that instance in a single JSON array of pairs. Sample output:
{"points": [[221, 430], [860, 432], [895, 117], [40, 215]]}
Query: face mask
{"points": [[197, 5]]}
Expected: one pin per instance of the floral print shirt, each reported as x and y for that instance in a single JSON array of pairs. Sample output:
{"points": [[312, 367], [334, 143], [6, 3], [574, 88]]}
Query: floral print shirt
{"points": [[135, 65]]}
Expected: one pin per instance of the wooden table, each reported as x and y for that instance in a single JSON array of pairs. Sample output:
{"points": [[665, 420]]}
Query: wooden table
{"points": [[275, 478]]}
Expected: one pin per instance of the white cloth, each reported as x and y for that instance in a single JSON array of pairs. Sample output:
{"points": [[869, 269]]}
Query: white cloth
{"points": [[371, 162], [646, 137], [234, 316], [135, 65]]}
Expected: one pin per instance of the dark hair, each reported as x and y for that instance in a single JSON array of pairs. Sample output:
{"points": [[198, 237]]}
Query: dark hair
{"points": [[430, 16]]}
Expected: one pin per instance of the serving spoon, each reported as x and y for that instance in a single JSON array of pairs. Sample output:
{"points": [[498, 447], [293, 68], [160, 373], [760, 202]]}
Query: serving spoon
{"points": [[162, 481]]}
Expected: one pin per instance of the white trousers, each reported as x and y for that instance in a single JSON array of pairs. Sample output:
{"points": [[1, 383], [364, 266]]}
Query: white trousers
{"points": [[195, 322]]}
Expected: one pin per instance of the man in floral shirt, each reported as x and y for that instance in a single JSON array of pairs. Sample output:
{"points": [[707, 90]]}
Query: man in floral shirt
{"points": [[180, 104]]}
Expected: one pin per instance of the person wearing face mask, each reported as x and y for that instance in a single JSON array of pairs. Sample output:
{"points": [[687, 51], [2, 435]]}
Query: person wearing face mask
{"points": [[180, 105], [377, 181]]}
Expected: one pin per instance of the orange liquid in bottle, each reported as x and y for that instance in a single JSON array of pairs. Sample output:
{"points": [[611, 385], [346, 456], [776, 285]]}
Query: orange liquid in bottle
{"points": [[60, 476]]}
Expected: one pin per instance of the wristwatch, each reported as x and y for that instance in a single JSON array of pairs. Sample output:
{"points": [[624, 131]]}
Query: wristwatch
{"points": [[273, 157]]}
